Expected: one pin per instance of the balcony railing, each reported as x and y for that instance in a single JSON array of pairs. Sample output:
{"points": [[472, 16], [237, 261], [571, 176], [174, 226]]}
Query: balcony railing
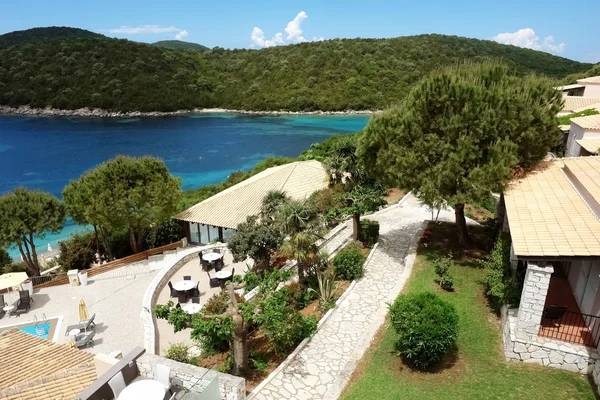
{"points": [[572, 327]]}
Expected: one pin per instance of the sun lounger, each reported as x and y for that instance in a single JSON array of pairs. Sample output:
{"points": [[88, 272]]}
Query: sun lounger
{"points": [[85, 325], [85, 339]]}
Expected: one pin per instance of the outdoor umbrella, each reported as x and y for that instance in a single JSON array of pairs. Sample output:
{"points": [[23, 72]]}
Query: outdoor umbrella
{"points": [[83, 312], [12, 279]]}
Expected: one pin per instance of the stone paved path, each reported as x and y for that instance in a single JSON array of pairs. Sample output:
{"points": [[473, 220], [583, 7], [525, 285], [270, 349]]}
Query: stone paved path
{"points": [[321, 369]]}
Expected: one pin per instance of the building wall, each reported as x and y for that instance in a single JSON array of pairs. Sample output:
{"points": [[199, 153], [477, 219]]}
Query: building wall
{"points": [[584, 278], [592, 90]]}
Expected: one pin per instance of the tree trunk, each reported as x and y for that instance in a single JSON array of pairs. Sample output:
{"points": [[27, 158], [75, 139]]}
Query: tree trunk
{"points": [[301, 274], [135, 240], [240, 346], [106, 241], [97, 237], [355, 226], [27, 260], [461, 224]]}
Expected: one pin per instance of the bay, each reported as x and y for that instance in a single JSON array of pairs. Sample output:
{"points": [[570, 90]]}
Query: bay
{"points": [[45, 153]]}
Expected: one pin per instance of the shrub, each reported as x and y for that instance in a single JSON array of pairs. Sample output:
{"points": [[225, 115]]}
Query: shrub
{"points": [[179, 352], [326, 292], [213, 334], [299, 295], [219, 302], [78, 252], [427, 327], [442, 266], [284, 326], [369, 232], [348, 263], [501, 284]]}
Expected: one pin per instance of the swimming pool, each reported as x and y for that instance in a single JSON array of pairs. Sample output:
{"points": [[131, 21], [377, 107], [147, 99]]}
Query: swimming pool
{"points": [[40, 330]]}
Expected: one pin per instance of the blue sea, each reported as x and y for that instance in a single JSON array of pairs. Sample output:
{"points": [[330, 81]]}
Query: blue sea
{"points": [[45, 153]]}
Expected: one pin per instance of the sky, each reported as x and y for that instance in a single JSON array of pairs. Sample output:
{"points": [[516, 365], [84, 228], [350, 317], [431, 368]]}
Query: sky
{"points": [[568, 29]]}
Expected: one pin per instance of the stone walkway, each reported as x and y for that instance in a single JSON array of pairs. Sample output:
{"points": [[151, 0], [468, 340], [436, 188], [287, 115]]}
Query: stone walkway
{"points": [[322, 368]]}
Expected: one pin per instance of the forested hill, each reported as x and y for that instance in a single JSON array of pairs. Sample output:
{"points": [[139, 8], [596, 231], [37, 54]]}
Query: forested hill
{"points": [[92, 70], [44, 34], [180, 44]]}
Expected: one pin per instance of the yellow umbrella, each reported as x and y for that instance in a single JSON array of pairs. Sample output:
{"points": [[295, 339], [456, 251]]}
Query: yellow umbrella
{"points": [[83, 312]]}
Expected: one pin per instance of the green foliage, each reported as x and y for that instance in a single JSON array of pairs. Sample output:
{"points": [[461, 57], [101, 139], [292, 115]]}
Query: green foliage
{"points": [[348, 263], [593, 71], [284, 326], [165, 233], [256, 239], [502, 286], [369, 232], [129, 193], [27, 215], [300, 296], [426, 326], [566, 119], [180, 352], [326, 292], [258, 361], [442, 267], [175, 316], [5, 259], [72, 71], [78, 252], [179, 45], [214, 334]]}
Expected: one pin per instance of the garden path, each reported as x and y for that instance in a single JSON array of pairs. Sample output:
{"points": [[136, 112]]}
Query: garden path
{"points": [[321, 369]]}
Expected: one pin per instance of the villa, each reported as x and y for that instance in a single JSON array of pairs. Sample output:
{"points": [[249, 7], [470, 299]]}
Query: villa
{"points": [[218, 216], [553, 216]]}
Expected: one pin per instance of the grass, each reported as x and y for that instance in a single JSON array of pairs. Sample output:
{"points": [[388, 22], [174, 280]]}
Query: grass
{"points": [[477, 368], [566, 119]]}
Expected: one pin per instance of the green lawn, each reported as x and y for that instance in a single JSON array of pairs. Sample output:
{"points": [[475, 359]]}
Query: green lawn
{"points": [[477, 369]]}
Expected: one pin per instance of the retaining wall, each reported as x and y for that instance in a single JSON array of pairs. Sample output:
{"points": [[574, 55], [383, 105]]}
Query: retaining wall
{"points": [[548, 352]]}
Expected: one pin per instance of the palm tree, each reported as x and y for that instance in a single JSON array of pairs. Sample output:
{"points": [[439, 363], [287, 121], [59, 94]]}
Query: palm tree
{"points": [[272, 203], [343, 164], [300, 220]]}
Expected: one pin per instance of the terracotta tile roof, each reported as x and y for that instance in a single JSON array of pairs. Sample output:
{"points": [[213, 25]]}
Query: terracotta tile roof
{"points": [[554, 211], [580, 103], [591, 145], [231, 206], [591, 79], [35, 368], [590, 122]]}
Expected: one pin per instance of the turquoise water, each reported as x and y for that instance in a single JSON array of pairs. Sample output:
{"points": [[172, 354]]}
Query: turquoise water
{"points": [[45, 153], [40, 330]]}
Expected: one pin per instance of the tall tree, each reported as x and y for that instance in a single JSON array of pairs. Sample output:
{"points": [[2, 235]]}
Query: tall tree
{"points": [[27, 215], [460, 131], [272, 203], [125, 193], [359, 200], [342, 163]]}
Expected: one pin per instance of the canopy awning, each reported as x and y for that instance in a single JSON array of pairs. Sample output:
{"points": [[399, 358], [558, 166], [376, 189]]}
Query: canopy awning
{"points": [[590, 145], [12, 279]]}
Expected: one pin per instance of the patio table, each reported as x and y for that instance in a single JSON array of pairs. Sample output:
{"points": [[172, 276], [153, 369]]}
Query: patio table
{"points": [[223, 274], [192, 308], [211, 257], [147, 389], [183, 286]]}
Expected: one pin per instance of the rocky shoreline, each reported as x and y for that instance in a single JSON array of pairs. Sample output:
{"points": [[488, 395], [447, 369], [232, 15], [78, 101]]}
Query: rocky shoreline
{"points": [[100, 113]]}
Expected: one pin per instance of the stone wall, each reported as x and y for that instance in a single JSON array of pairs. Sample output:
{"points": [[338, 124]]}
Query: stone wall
{"points": [[160, 280], [533, 299], [195, 379], [548, 352]]}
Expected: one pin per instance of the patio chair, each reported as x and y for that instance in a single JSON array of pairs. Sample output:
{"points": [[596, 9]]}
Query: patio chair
{"points": [[554, 313], [24, 303], [214, 282], [218, 265], [182, 297], [173, 291], [215, 250], [163, 375], [85, 339], [195, 292], [196, 300], [204, 264], [117, 384], [84, 325], [187, 278]]}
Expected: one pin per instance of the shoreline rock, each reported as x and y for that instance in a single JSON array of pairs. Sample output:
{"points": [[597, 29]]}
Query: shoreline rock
{"points": [[101, 113]]}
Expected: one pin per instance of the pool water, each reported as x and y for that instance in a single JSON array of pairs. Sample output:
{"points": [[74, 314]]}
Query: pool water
{"points": [[40, 330]]}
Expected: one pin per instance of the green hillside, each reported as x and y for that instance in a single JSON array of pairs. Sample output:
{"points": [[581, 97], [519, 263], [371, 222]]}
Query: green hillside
{"points": [[48, 33], [92, 70], [180, 44]]}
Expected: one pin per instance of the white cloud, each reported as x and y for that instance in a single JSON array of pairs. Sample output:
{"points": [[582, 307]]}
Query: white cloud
{"points": [[293, 30], [134, 30], [527, 38], [181, 35]]}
